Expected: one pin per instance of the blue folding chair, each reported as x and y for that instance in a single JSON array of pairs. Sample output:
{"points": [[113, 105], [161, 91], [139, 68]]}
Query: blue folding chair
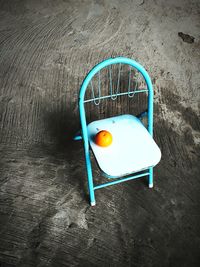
{"points": [[133, 152]]}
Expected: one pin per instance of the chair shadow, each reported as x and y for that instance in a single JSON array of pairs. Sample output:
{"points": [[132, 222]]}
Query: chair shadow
{"points": [[61, 127]]}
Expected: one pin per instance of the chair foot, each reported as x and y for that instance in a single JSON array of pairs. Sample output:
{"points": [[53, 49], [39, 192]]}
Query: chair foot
{"points": [[93, 203], [151, 185]]}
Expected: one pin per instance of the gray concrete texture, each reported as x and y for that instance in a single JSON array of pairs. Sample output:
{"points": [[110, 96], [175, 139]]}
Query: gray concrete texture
{"points": [[46, 49]]}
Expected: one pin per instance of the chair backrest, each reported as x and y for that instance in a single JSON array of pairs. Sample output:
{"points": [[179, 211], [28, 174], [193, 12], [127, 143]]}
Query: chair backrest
{"points": [[108, 63]]}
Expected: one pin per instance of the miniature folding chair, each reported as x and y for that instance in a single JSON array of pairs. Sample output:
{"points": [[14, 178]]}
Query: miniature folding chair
{"points": [[133, 152]]}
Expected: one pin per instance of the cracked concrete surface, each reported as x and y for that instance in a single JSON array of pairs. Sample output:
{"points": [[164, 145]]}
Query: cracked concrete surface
{"points": [[47, 47]]}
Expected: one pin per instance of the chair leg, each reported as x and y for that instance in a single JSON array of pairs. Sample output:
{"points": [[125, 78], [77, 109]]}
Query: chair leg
{"points": [[91, 191], [151, 177], [90, 180]]}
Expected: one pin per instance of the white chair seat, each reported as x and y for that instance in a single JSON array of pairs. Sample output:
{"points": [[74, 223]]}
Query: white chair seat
{"points": [[132, 150]]}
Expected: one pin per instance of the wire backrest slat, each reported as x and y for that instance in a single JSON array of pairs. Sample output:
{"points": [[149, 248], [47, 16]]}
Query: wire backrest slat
{"points": [[110, 78], [99, 91]]}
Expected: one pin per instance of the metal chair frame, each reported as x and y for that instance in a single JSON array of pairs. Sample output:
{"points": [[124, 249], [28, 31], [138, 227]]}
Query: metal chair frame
{"points": [[84, 135]]}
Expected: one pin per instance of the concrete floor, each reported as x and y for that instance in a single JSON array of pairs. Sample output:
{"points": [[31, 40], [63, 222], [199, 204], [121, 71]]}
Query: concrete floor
{"points": [[46, 48]]}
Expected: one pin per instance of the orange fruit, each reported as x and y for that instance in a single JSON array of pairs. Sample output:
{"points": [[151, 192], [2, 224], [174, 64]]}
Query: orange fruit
{"points": [[103, 138]]}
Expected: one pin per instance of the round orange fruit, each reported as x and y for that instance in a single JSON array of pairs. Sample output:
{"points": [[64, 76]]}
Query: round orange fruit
{"points": [[103, 138]]}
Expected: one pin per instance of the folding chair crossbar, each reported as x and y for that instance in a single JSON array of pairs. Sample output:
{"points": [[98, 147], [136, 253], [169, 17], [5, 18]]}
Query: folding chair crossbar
{"points": [[121, 180], [119, 94]]}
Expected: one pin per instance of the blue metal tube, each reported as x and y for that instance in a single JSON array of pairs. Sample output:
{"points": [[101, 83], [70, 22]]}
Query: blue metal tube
{"points": [[150, 107], [151, 177], [77, 138], [87, 153], [120, 180]]}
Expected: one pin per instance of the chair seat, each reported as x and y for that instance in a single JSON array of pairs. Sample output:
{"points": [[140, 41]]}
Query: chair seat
{"points": [[132, 150]]}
